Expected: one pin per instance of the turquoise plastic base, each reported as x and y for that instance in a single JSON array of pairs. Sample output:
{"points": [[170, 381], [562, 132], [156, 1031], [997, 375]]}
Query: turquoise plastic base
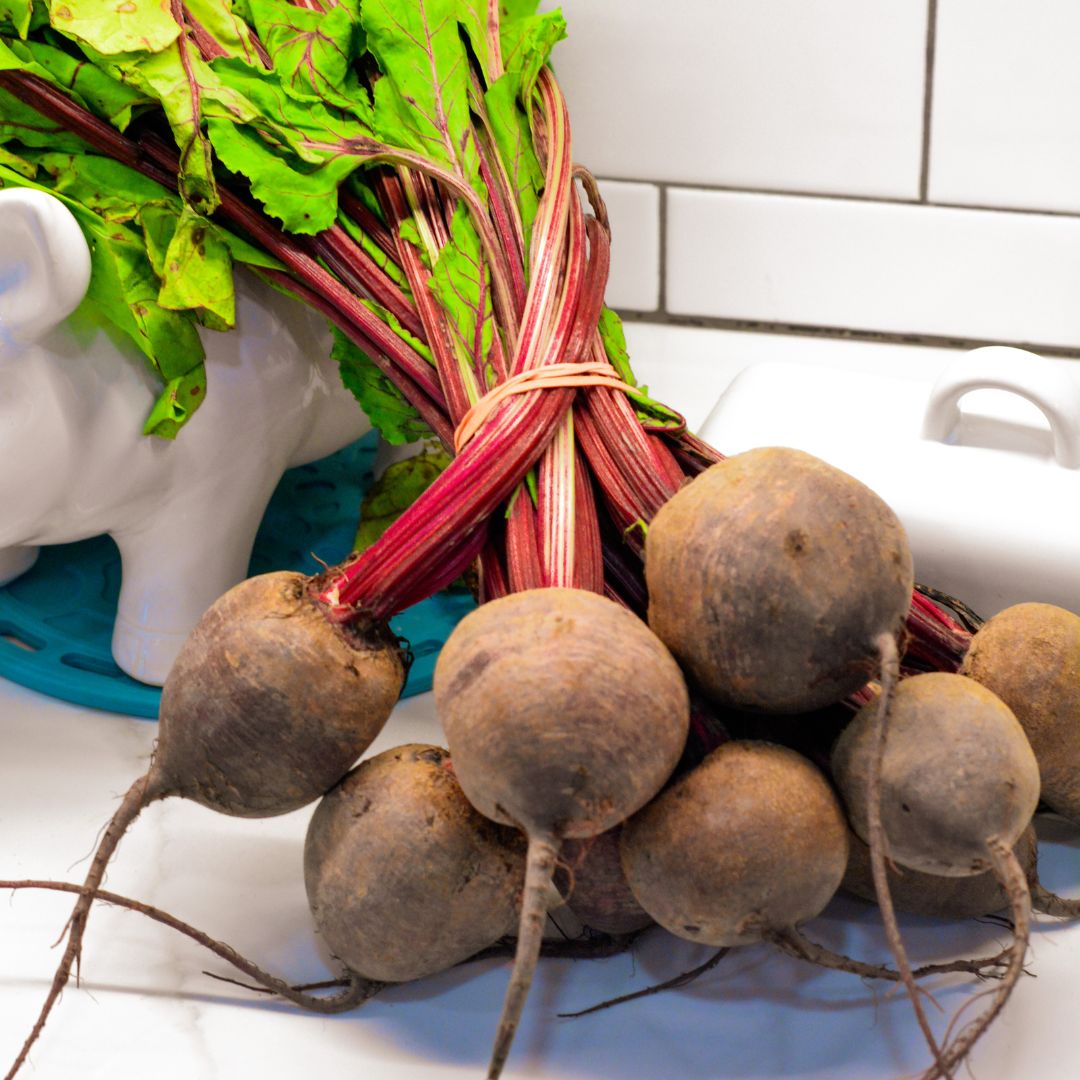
{"points": [[56, 620]]}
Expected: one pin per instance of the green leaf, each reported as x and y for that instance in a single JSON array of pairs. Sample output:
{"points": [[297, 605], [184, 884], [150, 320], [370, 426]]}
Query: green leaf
{"points": [[104, 96], [198, 273], [17, 15], [410, 233], [117, 26], [173, 408], [297, 154], [310, 129], [473, 17], [653, 414], [510, 10], [422, 101], [17, 164], [462, 284], [189, 92], [123, 290], [40, 18], [112, 190], [158, 226], [302, 197], [84, 83], [313, 53], [20, 123], [173, 77], [513, 139], [248, 254], [614, 339], [395, 418], [219, 19], [368, 197], [527, 41], [394, 492]]}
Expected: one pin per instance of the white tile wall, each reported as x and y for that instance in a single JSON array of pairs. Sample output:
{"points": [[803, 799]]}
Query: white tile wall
{"points": [[874, 266], [634, 212], [813, 95], [1006, 118], [722, 102]]}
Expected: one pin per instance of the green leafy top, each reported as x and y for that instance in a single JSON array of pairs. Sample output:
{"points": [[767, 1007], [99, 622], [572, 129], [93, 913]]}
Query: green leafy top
{"points": [[294, 102], [395, 491]]}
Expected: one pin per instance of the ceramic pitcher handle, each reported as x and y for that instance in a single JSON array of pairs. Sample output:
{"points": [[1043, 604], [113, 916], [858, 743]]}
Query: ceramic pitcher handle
{"points": [[1000, 367]]}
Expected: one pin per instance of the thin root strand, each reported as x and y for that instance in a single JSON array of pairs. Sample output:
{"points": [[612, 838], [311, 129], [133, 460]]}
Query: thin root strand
{"points": [[796, 944], [357, 989], [682, 979], [1012, 877], [890, 664]]}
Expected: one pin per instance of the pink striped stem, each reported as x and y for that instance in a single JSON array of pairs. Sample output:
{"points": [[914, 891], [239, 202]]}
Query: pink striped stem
{"points": [[493, 583], [504, 208], [615, 493], [934, 639], [557, 475], [522, 554], [549, 228], [357, 270], [459, 396], [589, 560], [472, 487], [367, 222]]}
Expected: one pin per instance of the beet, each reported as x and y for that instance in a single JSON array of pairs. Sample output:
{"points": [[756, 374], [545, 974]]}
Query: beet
{"points": [[269, 703], [936, 895], [598, 892], [750, 842], [266, 707], [404, 878], [957, 773], [958, 786], [1029, 656], [564, 714], [771, 577]]}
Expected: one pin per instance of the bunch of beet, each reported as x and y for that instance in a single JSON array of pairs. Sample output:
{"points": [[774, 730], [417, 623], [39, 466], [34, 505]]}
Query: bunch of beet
{"points": [[771, 584], [779, 588]]}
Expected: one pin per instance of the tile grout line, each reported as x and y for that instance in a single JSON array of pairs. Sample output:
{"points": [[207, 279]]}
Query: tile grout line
{"points": [[882, 200], [928, 100], [838, 333], [661, 299]]}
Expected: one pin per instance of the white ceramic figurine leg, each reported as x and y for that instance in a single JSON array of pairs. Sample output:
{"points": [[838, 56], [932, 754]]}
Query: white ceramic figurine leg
{"points": [[174, 568], [15, 561]]}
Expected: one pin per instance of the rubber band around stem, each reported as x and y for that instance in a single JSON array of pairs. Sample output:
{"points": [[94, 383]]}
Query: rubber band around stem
{"points": [[549, 376]]}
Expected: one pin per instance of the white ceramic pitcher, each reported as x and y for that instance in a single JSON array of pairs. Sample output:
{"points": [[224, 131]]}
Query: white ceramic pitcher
{"points": [[73, 460]]}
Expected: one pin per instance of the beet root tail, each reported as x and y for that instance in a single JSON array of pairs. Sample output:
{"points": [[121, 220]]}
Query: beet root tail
{"points": [[890, 665], [539, 870], [144, 791], [1012, 877]]}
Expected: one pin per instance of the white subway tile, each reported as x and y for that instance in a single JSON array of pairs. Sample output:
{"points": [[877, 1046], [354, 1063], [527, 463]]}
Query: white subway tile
{"points": [[803, 95], [1006, 114], [634, 212], [862, 265]]}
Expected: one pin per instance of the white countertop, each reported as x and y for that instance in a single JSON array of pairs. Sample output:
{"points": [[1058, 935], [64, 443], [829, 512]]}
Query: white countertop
{"points": [[145, 1009]]}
